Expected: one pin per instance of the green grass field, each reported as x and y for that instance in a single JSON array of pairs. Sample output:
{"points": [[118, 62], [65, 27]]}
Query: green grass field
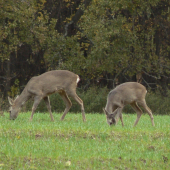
{"points": [[72, 144]]}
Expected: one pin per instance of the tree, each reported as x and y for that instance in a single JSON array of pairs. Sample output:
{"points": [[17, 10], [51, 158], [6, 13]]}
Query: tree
{"points": [[129, 37], [24, 27], [109, 40]]}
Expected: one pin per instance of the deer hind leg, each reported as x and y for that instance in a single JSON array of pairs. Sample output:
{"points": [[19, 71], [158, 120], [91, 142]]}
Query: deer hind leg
{"points": [[37, 100], [148, 110], [67, 102], [47, 102], [80, 102], [137, 110]]}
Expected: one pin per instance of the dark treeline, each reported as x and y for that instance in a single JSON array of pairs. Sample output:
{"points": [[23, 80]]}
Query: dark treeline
{"points": [[105, 42]]}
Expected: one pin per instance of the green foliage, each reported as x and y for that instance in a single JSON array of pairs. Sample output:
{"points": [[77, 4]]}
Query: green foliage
{"points": [[24, 22], [111, 36], [158, 103], [95, 99], [123, 33], [14, 89], [42, 144]]}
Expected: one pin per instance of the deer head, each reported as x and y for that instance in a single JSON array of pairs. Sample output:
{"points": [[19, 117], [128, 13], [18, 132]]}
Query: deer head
{"points": [[111, 117], [13, 110]]}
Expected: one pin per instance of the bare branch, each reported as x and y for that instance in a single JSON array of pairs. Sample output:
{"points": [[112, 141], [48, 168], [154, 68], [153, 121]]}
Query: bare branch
{"points": [[66, 28], [150, 75], [9, 78], [146, 82]]}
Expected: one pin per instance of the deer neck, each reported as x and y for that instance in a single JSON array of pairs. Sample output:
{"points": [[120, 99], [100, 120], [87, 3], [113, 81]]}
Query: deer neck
{"points": [[22, 99], [108, 107]]}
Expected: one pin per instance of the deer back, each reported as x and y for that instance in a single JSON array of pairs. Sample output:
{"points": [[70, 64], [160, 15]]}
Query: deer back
{"points": [[53, 81], [127, 93]]}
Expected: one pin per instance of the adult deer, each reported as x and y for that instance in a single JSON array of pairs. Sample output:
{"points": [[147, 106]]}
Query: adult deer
{"points": [[40, 87], [127, 93]]}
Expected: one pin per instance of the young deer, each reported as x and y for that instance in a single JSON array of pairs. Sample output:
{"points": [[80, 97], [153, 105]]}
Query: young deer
{"points": [[40, 87], [127, 93]]}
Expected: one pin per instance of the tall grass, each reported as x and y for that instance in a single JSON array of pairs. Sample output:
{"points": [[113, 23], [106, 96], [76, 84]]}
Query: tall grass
{"points": [[73, 144]]}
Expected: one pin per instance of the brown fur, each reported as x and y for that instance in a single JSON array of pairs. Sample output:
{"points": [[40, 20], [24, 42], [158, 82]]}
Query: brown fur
{"points": [[127, 93], [40, 87]]}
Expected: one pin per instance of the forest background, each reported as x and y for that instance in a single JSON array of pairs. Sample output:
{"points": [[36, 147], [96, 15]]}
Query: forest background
{"points": [[105, 42]]}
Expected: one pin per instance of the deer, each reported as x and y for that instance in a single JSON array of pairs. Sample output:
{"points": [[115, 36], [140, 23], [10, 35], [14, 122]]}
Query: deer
{"points": [[132, 93], [40, 87]]}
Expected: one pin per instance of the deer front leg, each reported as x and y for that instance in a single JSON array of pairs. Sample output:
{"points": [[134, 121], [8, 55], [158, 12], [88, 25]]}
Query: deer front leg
{"points": [[47, 101], [121, 116], [37, 100]]}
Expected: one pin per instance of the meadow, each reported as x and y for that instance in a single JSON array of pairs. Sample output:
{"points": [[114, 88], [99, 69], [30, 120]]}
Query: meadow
{"points": [[73, 144]]}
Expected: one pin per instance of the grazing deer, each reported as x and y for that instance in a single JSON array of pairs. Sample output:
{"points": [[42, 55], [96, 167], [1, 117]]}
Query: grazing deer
{"points": [[127, 93], [40, 87]]}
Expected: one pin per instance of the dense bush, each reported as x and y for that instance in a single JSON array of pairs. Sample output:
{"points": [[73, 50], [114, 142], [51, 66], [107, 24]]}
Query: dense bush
{"points": [[158, 103], [95, 99]]}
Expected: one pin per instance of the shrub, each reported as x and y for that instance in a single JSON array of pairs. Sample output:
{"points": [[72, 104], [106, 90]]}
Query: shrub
{"points": [[158, 103], [94, 100]]}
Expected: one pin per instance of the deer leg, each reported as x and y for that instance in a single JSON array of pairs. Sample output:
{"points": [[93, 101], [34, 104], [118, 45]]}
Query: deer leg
{"points": [[119, 113], [148, 110], [80, 102], [138, 111], [47, 101], [37, 100], [67, 102], [121, 116]]}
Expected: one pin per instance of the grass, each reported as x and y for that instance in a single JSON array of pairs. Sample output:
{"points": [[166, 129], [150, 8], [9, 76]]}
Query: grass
{"points": [[72, 144]]}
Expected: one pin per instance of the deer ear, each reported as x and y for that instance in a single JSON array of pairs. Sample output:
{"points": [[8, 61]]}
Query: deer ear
{"points": [[11, 101], [16, 97], [106, 113]]}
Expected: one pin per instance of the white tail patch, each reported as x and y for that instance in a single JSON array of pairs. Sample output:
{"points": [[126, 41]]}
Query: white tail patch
{"points": [[78, 78]]}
